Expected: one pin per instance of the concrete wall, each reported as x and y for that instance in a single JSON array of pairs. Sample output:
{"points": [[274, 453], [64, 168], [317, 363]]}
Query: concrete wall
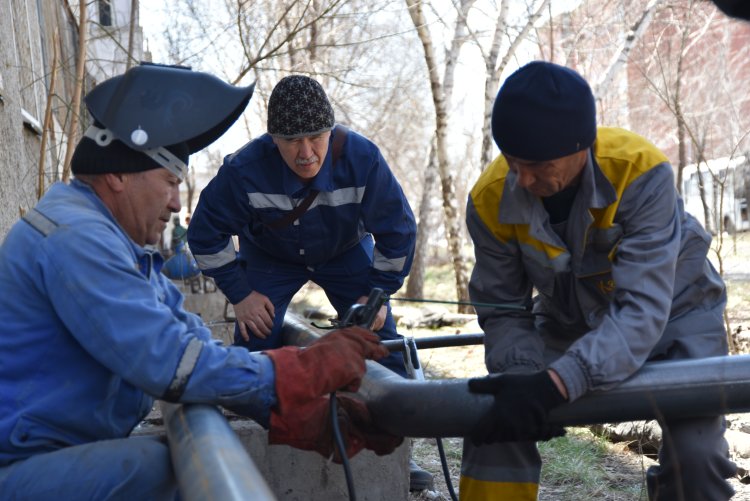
{"points": [[34, 35]]}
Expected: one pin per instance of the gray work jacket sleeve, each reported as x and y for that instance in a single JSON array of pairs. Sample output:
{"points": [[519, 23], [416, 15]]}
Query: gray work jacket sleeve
{"points": [[511, 340]]}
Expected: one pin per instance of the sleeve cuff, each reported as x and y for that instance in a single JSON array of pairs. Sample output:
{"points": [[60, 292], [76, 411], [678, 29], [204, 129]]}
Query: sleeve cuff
{"points": [[573, 375]]}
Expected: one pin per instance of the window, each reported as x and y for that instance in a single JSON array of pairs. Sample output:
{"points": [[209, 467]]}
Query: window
{"points": [[28, 57], [105, 12]]}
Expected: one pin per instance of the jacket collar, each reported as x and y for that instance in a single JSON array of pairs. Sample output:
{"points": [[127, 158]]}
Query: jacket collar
{"points": [[518, 206]]}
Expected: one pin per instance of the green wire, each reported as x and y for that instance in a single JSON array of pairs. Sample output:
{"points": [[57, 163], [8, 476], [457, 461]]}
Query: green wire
{"points": [[497, 306]]}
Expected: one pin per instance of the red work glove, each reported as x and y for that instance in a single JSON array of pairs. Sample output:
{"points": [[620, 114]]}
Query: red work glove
{"points": [[308, 427], [333, 362]]}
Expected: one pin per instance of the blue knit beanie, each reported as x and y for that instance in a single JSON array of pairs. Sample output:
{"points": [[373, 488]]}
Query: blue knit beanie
{"points": [[544, 111]]}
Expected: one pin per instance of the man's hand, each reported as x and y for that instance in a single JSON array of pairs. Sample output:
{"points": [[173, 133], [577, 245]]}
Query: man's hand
{"points": [[333, 362], [309, 427], [521, 408], [379, 321], [254, 314], [304, 379]]}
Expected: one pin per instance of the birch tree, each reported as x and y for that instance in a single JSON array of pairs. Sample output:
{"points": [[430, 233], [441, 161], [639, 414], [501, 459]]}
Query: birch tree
{"points": [[415, 285], [452, 221]]}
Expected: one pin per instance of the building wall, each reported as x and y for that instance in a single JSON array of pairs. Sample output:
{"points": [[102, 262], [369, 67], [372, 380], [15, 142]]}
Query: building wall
{"points": [[22, 108], [33, 35], [714, 72]]}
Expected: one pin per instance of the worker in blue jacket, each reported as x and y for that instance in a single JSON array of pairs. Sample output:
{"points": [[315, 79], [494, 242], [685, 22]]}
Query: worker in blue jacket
{"points": [[91, 331], [358, 232], [583, 226], [309, 201]]}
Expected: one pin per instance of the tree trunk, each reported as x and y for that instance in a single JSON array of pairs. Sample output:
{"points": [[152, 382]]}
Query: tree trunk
{"points": [[76, 106], [415, 284], [620, 60], [452, 226]]}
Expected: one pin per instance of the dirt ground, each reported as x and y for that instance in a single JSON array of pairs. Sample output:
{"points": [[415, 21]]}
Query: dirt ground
{"points": [[623, 469]]}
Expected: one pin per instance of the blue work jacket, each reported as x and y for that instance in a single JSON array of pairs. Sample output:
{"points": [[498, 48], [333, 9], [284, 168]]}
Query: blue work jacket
{"points": [[254, 187], [91, 332]]}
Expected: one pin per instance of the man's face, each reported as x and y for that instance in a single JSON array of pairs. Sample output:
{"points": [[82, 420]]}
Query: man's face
{"points": [[149, 199], [304, 155], [547, 177]]}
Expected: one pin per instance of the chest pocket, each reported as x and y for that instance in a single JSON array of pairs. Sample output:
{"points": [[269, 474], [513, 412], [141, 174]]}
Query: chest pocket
{"points": [[595, 272]]}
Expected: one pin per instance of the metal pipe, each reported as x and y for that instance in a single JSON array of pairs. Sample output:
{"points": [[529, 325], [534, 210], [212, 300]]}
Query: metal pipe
{"points": [[426, 343], [295, 332], [209, 460], [446, 408], [679, 389]]}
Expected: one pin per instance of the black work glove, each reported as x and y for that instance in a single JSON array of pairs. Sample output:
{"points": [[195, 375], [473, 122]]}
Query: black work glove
{"points": [[521, 408]]}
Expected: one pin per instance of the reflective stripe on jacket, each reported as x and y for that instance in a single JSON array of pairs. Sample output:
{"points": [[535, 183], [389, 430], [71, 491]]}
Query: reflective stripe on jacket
{"points": [[629, 260]]}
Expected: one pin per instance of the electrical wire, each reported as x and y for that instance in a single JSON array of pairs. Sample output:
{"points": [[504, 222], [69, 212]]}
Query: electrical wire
{"points": [[341, 447], [497, 306], [446, 472]]}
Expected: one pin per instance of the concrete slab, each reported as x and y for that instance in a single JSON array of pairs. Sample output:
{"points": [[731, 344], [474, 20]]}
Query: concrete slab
{"points": [[295, 475]]}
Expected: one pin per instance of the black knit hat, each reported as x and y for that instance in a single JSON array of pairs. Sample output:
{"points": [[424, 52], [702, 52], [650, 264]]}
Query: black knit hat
{"points": [[298, 107], [544, 111], [90, 158]]}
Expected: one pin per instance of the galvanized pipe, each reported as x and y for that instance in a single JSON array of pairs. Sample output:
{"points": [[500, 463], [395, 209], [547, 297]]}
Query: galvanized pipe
{"points": [[209, 460], [446, 408]]}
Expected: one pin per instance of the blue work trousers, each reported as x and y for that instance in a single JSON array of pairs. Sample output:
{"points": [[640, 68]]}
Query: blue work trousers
{"points": [[121, 469], [344, 279]]}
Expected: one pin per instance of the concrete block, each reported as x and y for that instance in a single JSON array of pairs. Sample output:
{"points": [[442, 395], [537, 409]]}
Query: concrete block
{"points": [[295, 475], [210, 305]]}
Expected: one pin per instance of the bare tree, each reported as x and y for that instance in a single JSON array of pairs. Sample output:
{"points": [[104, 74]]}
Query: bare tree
{"points": [[688, 44], [450, 206], [415, 285], [76, 106], [603, 85]]}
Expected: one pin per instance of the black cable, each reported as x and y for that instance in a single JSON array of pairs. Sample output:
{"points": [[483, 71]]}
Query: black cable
{"points": [[446, 472], [339, 441]]}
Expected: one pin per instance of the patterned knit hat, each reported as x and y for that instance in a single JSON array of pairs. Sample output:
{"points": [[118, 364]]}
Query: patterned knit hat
{"points": [[298, 107]]}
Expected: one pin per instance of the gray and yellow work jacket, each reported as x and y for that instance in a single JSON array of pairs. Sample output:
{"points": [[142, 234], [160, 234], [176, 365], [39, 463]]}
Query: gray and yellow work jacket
{"points": [[627, 261]]}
